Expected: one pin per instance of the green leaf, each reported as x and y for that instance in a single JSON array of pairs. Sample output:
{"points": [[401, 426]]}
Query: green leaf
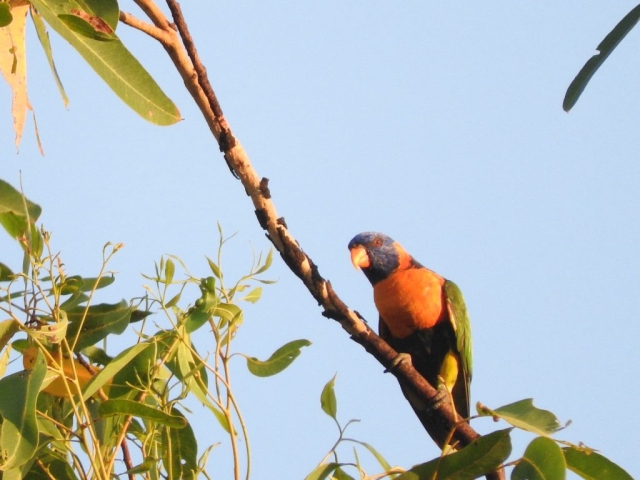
{"points": [[592, 466], [340, 474], [6, 275], [542, 460], [19, 431], [147, 464], [323, 471], [606, 47], [254, 295], [524, 415], [115, 64], [50, 465], [85, 28], [200, 314], [5, 15], [381, 460], [482, 456], [214, 268], [76, 284], [18, 216], [169, 270], [267, 263], [140, 410], [8, 329], [43, 37], [122, 360], [100, 321], [11, 201], [328, 400], [281, 359], [180, 452]]}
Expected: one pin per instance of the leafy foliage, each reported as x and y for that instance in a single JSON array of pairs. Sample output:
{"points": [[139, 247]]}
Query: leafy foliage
{"points": [[74, 407]]}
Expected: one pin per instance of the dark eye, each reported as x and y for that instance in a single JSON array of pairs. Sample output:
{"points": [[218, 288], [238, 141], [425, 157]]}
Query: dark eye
{"points": [[377, 242]]}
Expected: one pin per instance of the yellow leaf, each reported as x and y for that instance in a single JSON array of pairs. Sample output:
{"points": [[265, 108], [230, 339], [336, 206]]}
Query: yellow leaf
{"points": [[13, 65]]}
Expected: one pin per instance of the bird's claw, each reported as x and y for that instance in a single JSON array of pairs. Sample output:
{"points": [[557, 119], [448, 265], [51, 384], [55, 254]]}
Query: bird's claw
{"points": [[402, 357], [442, 396]]}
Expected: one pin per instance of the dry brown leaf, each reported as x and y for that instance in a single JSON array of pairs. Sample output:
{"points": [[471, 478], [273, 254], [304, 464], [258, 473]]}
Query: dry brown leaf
{"points": [[13, 65]]}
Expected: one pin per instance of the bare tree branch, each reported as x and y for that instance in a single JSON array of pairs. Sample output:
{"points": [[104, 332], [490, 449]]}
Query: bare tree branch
{"points": [[194, 75]]}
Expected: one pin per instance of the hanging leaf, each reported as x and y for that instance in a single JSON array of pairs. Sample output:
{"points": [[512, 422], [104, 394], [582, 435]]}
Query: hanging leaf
{"points": [[524, 415], [180, 451], [140, 410], [606, 47], [281, 359], [591, 465], [43, 37], [328, 400], [542, 460], [13, 65], [19, 431], [96, 323], [482, 456], [115, 64]]}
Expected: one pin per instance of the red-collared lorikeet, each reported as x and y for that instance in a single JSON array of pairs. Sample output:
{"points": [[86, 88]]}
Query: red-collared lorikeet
{"points": [[421, 314]]}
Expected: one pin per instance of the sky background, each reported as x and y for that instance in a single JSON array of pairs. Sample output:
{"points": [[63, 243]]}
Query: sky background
{"points": [[439, 124]]}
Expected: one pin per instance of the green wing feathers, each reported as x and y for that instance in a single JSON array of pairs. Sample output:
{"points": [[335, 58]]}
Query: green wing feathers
{"points": [[461, 326]]}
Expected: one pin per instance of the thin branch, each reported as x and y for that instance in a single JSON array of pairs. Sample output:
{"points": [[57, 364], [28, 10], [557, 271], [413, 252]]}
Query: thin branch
{"points": [[144, 27], [195, 77]]}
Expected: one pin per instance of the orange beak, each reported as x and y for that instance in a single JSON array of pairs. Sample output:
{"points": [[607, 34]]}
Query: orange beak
{"points": [[359, 257]]}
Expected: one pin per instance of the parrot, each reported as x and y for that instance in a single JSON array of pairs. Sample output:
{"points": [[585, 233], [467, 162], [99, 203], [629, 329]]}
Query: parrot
{"points": [[422, 315]]}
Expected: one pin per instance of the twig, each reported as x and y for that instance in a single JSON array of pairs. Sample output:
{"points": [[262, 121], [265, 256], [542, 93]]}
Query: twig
{"points": [[151, 30]]}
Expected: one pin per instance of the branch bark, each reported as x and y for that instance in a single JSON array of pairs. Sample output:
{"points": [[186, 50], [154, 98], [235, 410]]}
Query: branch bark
{"points": [[182, 50]]}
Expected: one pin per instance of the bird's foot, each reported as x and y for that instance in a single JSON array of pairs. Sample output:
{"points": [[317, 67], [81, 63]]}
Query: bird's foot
{"points": [[441, 397], [402, 357]]}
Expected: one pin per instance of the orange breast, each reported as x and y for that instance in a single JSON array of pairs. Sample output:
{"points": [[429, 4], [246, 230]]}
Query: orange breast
{"points": [[409, 300]]}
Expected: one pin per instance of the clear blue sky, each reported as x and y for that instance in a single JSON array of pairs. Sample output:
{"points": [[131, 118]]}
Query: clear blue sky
{"points": [[439, 124]]}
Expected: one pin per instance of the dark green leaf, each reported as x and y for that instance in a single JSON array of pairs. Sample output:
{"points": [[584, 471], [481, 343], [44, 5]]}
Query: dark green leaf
{"points": [[482, 456], [50, 465], [180, 452], [97, 355], [524, 415], [19, 431], [593, 466], [138, 315], [100, 321], [281, 359], [11, 201], [82, 27], [140, 410], [6, 274], [328, 400], [606, 47], [5, 15], [542, 460]]}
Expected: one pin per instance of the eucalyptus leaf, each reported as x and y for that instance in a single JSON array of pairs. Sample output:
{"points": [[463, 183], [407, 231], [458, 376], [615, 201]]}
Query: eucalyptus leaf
{"points": [[278, 361]]}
